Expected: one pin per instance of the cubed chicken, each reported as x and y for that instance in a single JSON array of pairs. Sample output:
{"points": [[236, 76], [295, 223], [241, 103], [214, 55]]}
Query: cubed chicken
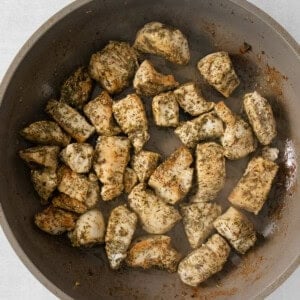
{"points": [[99, 112], [261, 117], [238, 140], [206, 126], [191, 100], [55, 221], [130, 180], [138, 139], [144, 163], [93, 194], [198, 221], [204, 262], [77, 89], [78, 156], [111, 159], [89, 229], [45, 133], [217, 69], [65, 202], [149, 82], [120, 229], [155, 215], [270, 153], [114, 66], [166, 41], [253, 188], [46, 156], [131, 116], [210, 170], [237, 229], [153, 251], [172, 179], [44, 182], [165, 110], [70, 120]]}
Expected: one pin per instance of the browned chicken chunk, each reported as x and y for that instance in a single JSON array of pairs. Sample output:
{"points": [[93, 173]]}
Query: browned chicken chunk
{"points": [[65, 202]]}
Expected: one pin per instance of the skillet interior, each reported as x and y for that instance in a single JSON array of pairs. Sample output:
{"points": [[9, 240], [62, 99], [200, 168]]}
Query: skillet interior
{"points": [[272, 67]]}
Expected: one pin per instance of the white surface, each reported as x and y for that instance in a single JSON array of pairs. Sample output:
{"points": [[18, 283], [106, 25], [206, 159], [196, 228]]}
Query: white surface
{"points": [[18, 20]]}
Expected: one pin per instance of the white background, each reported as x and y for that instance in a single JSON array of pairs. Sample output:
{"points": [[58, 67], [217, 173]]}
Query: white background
{"points": [[18, 20]]}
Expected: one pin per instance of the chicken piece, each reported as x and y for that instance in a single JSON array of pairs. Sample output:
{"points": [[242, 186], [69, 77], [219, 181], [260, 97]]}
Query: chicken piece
{"points": [[210, 170], [218, 71], [130, 114], [99, 112], [111, 159], [93, 194], [198, 221], [70, 120], [270, 153], [78, 156], [165, 110], [45, 133], [77, 89], [206, 126], [54, 220], [120, 229], [237, 140], [160, 39], [204, 262], [89, 229], [130, 180], [72, 184], [237, 229], [44, 182], [191, 100], [153, 251], [65, 202], [155, 215], [261, 117], [253, 188], [173, 178], [46, 156], [144, 163], [149, 82], [114, 66]]}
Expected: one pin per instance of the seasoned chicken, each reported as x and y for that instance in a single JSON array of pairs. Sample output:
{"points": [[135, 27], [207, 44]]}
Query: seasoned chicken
{"points": [[46, 156], [198, 221], [130, 180], [253, 188], [89, 229], [204, 262], [131, 116], [65, 202], [206, 126], [114, 66], [261, 117], [77, 89], [270, 153], [155, 215], [54, 220], [210, 170], [160, 39], [144, 163], [149, 82], [165, 110], [99, 112], [93, 193], [237, 140], [78, 156], [218, 71], [120, 229], [173, 178], [70, 120], [237, 229], [153, 251], [44, 182], [72, 184], [111, 159], [45, 133], [191, 100]]}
